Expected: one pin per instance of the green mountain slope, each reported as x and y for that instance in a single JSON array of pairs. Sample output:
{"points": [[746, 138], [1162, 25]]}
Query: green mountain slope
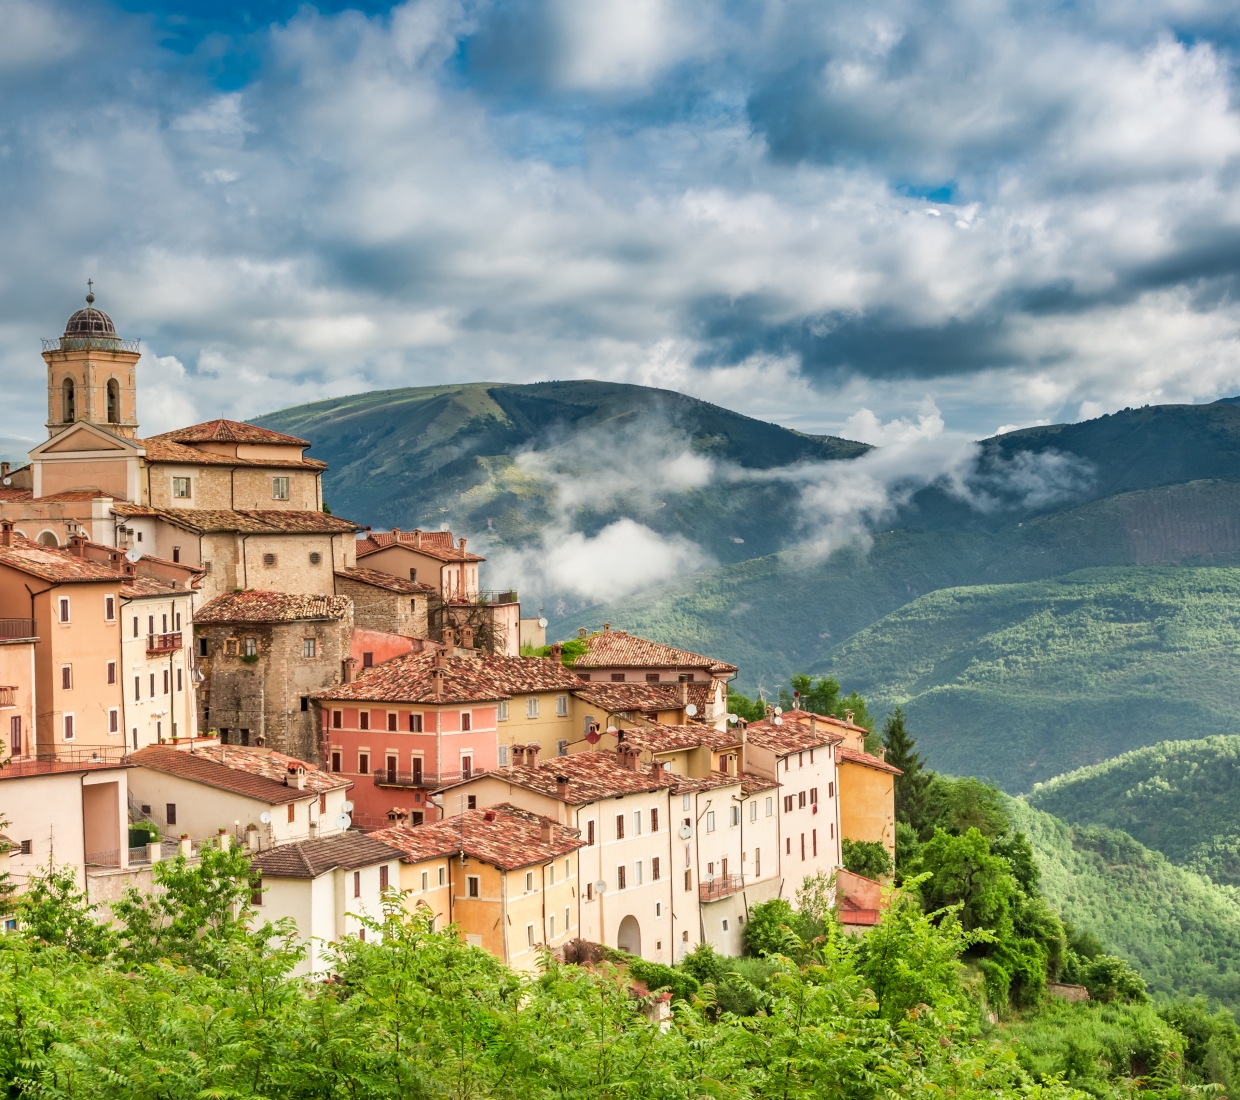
{"points": [[1179, 930], [1179, 797], [432, 454]]}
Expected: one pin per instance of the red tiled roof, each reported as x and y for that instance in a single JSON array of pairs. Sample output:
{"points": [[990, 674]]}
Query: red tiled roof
{"points": [[434, 544], [138, 586], [622, 698], [410, 678], [230, 431], [752, 784], [269, 521], [311, 858], [795, 732], [16, 494], [271, 607], [377, 579], [660, 737], [253, 773], [55, 565], [591, 776], [616, 649], [503, 836], [70, 496], [866, 759], [162, 449]]}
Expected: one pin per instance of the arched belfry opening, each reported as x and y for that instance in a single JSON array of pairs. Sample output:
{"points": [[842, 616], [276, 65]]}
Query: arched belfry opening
{"points": [[68, 401], [114, 401]]}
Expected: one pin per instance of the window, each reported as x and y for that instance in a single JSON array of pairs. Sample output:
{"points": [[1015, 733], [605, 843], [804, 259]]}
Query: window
{"points": [[315, 558], [637, 823], [413, 575], [292, 812], [467, 770], [568, 868], [230, 647], [724, 923], [135, 628], [64, 610], [269, 559], [529, 881], [176, 554], [620, 878], [391, 725], [800, 800], [167, 681], [202, 647], [15, 735], [363, 720], [170, 813], [619, 826], [337, 719], [137, 688], [561, 748], [383, 877], [800, 760], [305, 702], [589, 891], [802, 845], [757, 861], [68, 409], [363, 763], [27, 847], [357, 884], [637, 873], [256, 891], [561, 706], [710, 821], [415, 723], [502, 714], [529, 934], [688, 886], [551, 928], [788, 846], [617, 677], [734, 815], [652, 677], [114, 720], [471, 802], [831, 790], [308, 647], [654, 869], [654, 819], [568, 918], [473, 886], [443, 871], [684, 802], [531, 707], [753, 811], [813, 796], [251, 647], [305, 699], [335, 761], [551, 874], [770, 806], [361, 934], [426, 881], [111, 672], [66, 677], [368, 660], [180, 487], [150, 624], [589, 833], [279, 488], [109, 608], [467, 721], [814, 840], [787, 803]]}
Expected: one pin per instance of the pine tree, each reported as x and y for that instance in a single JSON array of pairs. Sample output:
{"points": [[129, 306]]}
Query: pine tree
{"points": [[911, 787]]}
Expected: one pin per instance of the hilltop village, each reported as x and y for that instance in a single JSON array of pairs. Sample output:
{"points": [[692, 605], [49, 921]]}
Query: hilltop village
{"points": [[194, 651]]}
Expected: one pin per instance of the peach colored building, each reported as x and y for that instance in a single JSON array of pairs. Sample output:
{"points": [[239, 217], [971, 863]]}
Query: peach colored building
{"points": [[17, 691]]}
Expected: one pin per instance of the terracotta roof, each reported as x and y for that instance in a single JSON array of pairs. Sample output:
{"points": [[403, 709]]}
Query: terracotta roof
{"points": [[410, 678], [591, 776], [503, 836], [311, 858], [622, 698], [271, 607], [139, 586], [16, 494], [378, 579], [73, 495], [702, 694], [230, 431], [434, 544], [844, 755], [708, 782], [253, 773], [55, 565], [268, 521], [795, 734], [660, 737], [162, 449], [752, 784], [616, 649]]}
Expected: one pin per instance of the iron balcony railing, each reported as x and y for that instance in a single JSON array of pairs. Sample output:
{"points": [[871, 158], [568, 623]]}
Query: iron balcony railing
{"points": [[82, 343], [8, 697], [17, 628], [384, 778], [45, 763], [721, 886], [163, 643]]}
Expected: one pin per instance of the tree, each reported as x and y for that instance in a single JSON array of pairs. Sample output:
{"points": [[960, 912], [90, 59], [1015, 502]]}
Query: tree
{"points": [[769, 929], [963, 872], [822, 696], [958, 805], [54, 911], [911, 807], [866, 857]]}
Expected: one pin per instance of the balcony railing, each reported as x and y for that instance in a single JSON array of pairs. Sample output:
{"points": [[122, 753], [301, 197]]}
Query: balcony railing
{"points": [[81, 343], [163, 643], [8, 697], [17, 628], [46, 763], [721, 886], [385, 778]]}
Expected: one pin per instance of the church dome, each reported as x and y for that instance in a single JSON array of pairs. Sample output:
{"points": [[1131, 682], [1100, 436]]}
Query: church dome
{"points": [[89, 322]]}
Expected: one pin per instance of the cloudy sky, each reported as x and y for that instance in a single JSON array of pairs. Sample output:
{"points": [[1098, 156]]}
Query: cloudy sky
{"points": [[869, 218]]}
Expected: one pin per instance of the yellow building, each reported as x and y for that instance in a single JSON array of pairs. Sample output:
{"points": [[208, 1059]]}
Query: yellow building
{"points": [[505, 876], [867, 792]]}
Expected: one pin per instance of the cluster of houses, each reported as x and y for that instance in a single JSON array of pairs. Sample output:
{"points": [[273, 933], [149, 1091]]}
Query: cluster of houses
{"points": [[195, 651]]}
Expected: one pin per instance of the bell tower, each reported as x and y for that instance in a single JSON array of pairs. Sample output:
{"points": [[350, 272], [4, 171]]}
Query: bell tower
{"points": [[91, 374]]}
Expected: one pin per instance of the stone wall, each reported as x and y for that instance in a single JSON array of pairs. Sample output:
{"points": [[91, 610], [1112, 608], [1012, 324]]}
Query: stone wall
{"points": [[380, 609]]}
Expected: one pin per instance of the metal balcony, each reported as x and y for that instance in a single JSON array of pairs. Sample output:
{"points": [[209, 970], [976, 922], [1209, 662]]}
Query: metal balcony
{"points": [[385, 778], [721, 886], [8, 697], [163, 643]]}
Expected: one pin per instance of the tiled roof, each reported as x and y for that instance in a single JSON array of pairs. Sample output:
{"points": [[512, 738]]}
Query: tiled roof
{"points": [[795, 733], [230, 431], [378, 579], [253, 773], [752, 784], [16, 494], [163, 449], [616, 649], [410, 678], [311, 858], [434, 544], [139, 586], [55, 565], [271, 607], [659, 737], [844, 755], [70, 496], [621, 698], [503, 836], [708, 782], [268, 521], [591, 776]]}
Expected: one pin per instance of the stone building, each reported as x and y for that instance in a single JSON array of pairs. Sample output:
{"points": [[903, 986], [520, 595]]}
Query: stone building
{"points": [[262, 656], [384, 602]]}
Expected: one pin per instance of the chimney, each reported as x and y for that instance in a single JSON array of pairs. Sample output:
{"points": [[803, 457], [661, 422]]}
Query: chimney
{"points": [[6, 532], [813, 724], [546, 829], [398, 815], [396, 533], [561, 786], [557, 650], [4, 469], [848, 717], [489, 815], [531, 753], [129, 568], [684, 693], [462, 547], [582, 632], [437, 682], [607, 628], [658, 768], [467, 637], [348, 669], [449, 638], [518, 755], [881, 752], [77, 546], [417, 539], [770, 712], [296, 777]]}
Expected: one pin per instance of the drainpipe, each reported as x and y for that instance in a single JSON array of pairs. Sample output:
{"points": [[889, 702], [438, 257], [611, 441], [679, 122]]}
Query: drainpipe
{"points": [[245, 565], [697, 850], [544, 905], [671, 878]]}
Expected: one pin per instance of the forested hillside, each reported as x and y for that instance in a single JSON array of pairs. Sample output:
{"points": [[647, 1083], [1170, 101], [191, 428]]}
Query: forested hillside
{"points": [[1181, 798]]}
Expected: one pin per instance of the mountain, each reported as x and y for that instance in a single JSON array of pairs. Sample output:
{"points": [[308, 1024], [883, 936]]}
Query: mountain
{"points": [[1177, 797], [1181, 931], [435, 454]]}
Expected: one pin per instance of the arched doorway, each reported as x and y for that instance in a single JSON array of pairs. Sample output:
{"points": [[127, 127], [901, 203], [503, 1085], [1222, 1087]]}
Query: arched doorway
{"points": [[629, 938], [48, 538]]}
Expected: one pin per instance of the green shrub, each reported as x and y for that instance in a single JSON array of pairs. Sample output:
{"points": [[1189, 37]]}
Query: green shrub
{"points": [[769, 928], [866, 857], [1110, 978]]}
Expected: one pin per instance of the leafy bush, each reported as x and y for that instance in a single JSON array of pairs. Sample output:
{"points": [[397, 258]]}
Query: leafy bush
{"points": [[866, 857], [1110, 978], [769, 930]]}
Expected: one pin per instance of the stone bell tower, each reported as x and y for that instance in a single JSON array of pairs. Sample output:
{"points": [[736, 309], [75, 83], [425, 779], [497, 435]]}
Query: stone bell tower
{"points": [[90, 375]]}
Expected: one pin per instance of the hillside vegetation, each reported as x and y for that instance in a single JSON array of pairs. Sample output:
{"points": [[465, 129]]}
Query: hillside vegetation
{"points": [[1178, 797]]}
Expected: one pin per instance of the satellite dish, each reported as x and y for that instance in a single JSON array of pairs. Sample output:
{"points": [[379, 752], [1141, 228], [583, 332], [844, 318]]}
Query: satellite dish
{"points": [[777, 721], [779, 710], [8, 481], [265, 818], [347, 807], [343, 821], [734, 718], [600, 887], [612, 729], [686, 831], [543, 623], [133, 554], [691, 710]]}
